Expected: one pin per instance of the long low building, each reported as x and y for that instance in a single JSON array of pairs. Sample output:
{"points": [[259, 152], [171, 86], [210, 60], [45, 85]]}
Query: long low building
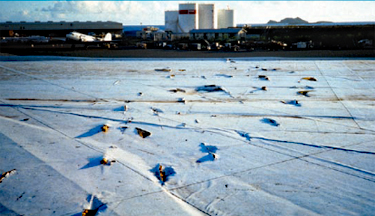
{"points": [[218, 34], [58, 29]]}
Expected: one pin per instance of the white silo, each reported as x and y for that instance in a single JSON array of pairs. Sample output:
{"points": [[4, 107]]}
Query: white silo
{"points": [[171, 21], [207, 18], [187, 17], [225, 18]]}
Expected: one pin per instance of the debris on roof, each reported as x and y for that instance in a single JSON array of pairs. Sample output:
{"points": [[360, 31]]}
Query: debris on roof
{"points": [[164, 70], [209, 88], [105, 128], [7, 174], [142, 133], [177, 90]]}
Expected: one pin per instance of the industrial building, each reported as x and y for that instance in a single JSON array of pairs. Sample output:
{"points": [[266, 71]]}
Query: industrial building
{"points": [[198, 16], [57, 29], [218, 34], [225, 18], [207, 16]]}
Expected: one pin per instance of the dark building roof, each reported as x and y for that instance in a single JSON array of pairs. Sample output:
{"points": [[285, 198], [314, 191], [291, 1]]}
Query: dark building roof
{"points": [[226, 30]]}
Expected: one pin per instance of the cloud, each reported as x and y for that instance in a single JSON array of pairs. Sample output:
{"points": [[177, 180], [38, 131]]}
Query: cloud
{"points": [[152, 12], [128, 12]]}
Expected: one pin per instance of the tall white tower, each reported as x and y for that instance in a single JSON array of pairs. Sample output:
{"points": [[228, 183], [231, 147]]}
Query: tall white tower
{"points": [[187, 17], [225, 18], [207, 18], [171, 21]]}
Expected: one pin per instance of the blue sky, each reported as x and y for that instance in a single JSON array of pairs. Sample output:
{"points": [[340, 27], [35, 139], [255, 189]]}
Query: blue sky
{"points": [[152, 12]]}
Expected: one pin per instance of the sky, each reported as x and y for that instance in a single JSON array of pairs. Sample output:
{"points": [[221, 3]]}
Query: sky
{"points": [[152, 12]]}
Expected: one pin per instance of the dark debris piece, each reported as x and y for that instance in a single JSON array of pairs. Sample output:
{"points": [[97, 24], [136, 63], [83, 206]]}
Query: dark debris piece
{"points": [[263, 77], [123, 129], [164, 70], [310, 79], [270, 121], [105, 128], [163, 173], [177, 90], [209, 88], [304, 93], [105, 161], [6, 174], [88, 212], [291, 102], [209, 157], [143, 133]]}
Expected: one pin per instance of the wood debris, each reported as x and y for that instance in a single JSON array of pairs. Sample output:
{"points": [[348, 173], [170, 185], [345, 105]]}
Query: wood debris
{"points": [[264, 77], [143, 133], [310, 79], [177, 90], [209, 88], [162, 175], [105, 161], [88, 212], [304, 93], [164, 69], [6, 174], [105, 128]]}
